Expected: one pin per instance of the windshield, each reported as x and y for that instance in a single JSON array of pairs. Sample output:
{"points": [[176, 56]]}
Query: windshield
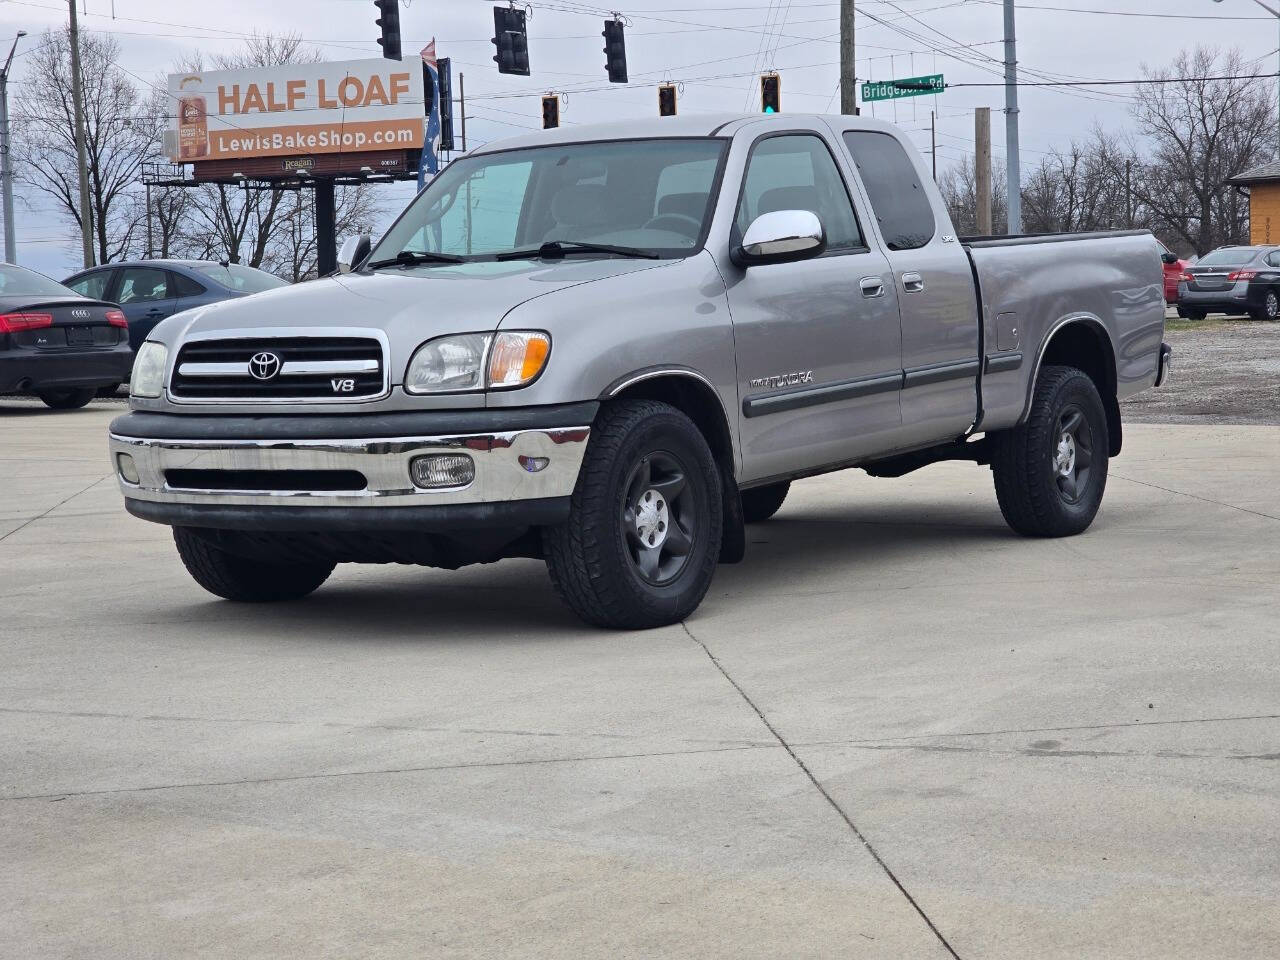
{"points": [[237, 277], [1228, 257], [20, 282], [650, 195]]}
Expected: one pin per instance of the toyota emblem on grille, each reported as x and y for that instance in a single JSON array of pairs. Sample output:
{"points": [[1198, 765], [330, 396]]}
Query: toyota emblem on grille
{"points": [[264, 366]]}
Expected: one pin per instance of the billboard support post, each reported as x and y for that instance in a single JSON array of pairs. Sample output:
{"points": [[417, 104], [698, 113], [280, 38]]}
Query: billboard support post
{"points": [[326, 228]]}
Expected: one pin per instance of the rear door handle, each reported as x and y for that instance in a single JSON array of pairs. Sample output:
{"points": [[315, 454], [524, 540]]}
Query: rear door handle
{"points": [[912, 282], [872, 287]]}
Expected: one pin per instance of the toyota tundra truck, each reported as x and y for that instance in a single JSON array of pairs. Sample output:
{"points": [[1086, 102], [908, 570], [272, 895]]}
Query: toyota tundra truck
{"points": [[611, 347]]}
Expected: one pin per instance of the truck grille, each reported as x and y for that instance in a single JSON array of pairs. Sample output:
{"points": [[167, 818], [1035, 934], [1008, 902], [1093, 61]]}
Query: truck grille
{"points": [[332, 369]]}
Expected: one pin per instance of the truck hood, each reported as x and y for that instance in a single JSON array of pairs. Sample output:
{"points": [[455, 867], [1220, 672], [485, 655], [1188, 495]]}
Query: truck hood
{"points": [[410, 305]]}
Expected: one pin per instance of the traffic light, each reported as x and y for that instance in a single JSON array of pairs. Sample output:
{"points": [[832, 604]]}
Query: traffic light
{"points": [[550, 111], [667, 100], [389, 21], [615, 51], [770, 93], [444, 69], [512, 41]]}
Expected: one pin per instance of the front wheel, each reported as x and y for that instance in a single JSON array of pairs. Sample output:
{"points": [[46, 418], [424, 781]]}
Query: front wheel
{"points": [[645, 522], [67, 399], [244, 579], [1050, 472]]}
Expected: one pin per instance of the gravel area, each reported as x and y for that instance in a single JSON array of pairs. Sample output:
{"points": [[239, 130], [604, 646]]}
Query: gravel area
{"points": [[1224, 371]]}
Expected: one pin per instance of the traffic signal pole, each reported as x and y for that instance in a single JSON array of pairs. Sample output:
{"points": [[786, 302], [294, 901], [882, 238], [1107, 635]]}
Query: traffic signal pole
{"points": [[1011, 120]]}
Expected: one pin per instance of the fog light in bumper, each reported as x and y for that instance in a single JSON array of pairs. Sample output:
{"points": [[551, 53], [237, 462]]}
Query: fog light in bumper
{"points": [[439, 471], [128, 469]]}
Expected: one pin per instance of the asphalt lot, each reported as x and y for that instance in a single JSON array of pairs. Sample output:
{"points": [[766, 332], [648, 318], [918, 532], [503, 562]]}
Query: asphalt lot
{"points": [[896, 731]]}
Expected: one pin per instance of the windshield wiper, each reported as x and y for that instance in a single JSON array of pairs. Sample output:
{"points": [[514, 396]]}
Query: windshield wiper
{"points": [[557, 249], [411, 257]]}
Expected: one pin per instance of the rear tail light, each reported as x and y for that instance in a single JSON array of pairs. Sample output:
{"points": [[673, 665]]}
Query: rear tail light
{"points": [[13, 322], [1242, 275], [117, 318]]}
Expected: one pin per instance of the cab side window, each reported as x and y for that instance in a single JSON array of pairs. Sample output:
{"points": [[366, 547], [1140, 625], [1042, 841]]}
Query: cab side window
{"points": [[797, 172], [897, 197], [184, 286]]}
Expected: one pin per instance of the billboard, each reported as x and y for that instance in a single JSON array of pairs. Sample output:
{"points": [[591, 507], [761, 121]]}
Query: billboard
{"points": [[298, 108]]}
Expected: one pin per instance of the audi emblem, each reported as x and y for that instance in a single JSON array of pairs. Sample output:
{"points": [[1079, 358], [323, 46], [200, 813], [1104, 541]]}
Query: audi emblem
{"points": [[80, 314], [264, 366]]}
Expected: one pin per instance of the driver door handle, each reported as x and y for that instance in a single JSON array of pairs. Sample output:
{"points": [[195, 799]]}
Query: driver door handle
{"points": [[912, 283], [872, 287]]}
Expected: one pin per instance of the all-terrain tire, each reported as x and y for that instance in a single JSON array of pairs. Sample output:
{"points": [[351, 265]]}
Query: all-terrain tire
{"points": [[761, 503], [244, 579], [67, 399], [591, 558], [1024, 461]]}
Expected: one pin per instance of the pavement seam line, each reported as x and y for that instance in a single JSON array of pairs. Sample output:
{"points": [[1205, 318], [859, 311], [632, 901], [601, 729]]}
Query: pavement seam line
{"points": [[55, 507], [1181, 493], [390, 771], [840, 811]]}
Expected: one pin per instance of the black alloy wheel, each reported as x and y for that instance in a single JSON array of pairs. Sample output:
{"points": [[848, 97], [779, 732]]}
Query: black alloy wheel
{"points": [[1073, 456], [659, 518]]}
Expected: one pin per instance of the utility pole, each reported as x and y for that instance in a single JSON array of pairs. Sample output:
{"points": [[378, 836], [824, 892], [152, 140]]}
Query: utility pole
{"points": [[462, 103], [6, 164], [1128, 194], [933, 137], [848, 77], [77, 98], [982, 169], [1014, 164]]}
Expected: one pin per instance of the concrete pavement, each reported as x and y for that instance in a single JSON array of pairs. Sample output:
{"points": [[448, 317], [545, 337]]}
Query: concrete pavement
{"points": [[896, 731]]}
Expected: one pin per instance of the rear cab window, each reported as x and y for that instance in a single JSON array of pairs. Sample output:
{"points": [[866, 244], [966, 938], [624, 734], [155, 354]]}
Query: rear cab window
{"points": [[897, 196]]}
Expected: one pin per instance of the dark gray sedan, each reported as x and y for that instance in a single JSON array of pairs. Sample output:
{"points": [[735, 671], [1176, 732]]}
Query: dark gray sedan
{"points": [[150, 290]]}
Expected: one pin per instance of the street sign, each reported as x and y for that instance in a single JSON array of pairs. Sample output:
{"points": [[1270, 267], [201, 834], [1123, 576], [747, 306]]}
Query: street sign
{"points": [[909, 87]]}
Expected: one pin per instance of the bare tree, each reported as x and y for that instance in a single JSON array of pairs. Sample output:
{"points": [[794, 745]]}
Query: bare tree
{"points": [[1199, 133], [960, 193], [1082, 188], [120, 134]]}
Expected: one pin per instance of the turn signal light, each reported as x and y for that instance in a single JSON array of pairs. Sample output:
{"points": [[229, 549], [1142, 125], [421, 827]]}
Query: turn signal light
{"points": [[117, 318], [1242, 275], [13, 322], [516, 358]]}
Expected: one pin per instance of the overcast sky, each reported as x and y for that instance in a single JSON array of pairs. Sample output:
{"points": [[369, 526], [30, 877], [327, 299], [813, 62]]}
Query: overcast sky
{"points": [[715, 48]]}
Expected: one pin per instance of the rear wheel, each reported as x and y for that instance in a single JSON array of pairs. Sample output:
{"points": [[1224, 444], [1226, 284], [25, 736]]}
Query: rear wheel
{"points": [[1187, 314], [244, 579], [1050, 472], [761, 503], [1269, 309], [645, 523], [67, 399]]}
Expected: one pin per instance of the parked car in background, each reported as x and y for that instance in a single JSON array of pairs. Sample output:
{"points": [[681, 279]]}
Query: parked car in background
{"points": [[1237, 281], [150, 290], [1174, 268], [57, 344]]}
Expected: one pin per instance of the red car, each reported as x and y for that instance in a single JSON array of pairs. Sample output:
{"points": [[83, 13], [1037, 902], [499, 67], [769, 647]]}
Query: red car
{"points": [[1174, 267]]}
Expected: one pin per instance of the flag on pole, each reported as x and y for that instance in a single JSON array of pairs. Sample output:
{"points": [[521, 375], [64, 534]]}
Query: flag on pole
{"points": [[429, 165]]}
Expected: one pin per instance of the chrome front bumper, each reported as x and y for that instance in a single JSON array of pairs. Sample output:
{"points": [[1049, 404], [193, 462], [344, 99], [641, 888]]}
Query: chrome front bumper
{"points": [[508, 467]]}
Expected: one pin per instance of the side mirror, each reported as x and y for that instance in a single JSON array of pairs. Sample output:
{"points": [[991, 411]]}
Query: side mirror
{"points": [[353, 252], [781, 237], [1170, 258]]}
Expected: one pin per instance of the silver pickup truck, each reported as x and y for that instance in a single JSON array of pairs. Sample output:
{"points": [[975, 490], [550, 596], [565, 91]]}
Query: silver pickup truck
{"points": [[611, 347]]}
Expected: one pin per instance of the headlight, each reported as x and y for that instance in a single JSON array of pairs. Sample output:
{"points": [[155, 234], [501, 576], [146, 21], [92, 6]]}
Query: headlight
{"points": [[517, 358], [448, 364], [148, 370], [477, 361]]}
